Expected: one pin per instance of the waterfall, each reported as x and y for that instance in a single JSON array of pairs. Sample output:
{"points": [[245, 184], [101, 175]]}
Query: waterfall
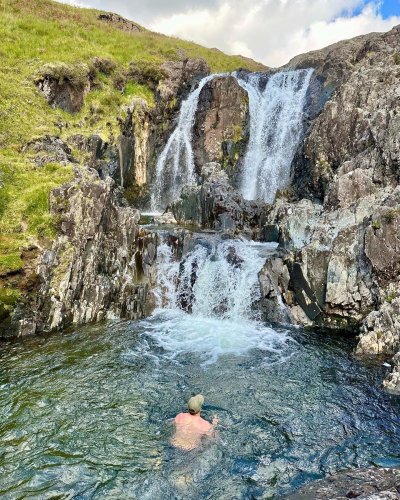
{"points": [[207, 302], [216, 279], [175, 166], [275, 130]]}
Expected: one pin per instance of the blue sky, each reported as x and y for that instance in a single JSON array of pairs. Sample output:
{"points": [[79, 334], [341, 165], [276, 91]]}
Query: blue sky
{"points": [[390, 8], [271, 31]]}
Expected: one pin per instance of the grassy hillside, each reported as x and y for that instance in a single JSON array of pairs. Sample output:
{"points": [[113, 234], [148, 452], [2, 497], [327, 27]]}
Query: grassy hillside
{"points": [[38, 32]]}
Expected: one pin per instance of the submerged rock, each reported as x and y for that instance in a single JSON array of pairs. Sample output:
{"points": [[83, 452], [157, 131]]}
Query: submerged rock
{"points": [[372, 484]]}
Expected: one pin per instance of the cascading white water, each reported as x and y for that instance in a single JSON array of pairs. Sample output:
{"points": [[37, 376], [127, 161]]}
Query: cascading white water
{"points": [[217, 280], [175, 166], [275, 129], [207, 302]]}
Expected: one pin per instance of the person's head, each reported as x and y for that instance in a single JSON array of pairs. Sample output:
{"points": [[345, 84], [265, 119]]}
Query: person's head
{"points": [[195, 403]]}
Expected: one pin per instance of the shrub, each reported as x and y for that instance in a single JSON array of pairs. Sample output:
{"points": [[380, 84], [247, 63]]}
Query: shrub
{"points": [[103, 65], [390, 215], [396, 58], [77, 74], [146, 72], [119, 80]]}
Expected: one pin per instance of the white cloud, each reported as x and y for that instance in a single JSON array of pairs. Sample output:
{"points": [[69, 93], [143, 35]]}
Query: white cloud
{"points": [[75, 3], [273, 31]]}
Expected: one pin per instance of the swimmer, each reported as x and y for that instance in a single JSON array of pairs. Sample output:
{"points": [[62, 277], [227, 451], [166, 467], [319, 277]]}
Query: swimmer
{"points": [[191, 428]]}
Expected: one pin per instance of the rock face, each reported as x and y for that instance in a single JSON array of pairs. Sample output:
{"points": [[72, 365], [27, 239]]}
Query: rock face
{"points": [[133, 145], [120, 22], [340, 269], [65, 94], [180, 77], [215, 204], [220, 132], [49, 149], [353, 146], [99, 266]]}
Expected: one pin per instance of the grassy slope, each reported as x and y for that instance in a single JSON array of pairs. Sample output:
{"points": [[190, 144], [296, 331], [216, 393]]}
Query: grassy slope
{"points": [[35, 32]]}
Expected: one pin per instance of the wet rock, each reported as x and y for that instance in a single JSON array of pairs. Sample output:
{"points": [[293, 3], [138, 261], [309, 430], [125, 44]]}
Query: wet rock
{"points": [[381, 329], [221, 129], [167, 218], [215, 204], [392, 382], [101, 263]]}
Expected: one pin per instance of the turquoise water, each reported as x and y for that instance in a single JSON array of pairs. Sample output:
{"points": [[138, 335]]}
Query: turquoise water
{"points": [[84, 414]]}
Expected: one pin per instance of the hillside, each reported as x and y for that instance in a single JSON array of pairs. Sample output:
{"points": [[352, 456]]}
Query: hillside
{"points": [[42, 36]]}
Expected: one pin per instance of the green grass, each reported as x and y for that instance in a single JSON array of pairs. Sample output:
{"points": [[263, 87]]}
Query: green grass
{"points": [[39, 32], [45, 37]]}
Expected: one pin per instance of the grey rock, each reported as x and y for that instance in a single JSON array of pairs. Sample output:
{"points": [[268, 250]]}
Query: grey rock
{"points": [[101, 263], [65, 95], [49, 149]]}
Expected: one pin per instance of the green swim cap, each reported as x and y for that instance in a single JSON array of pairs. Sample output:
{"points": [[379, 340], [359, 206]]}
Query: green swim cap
{"points": [[195, 403]]}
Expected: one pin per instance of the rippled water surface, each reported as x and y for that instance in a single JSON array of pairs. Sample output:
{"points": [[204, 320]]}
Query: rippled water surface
{"points": [[85, 414]]}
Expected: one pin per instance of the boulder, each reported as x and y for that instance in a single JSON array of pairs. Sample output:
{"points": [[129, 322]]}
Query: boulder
{"points": [[49, 149], [215, 204], [221, 128], [63, 94]]}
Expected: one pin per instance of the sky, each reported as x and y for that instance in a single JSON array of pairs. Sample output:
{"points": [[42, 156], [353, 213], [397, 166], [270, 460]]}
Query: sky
{"points": [[269, 31]]}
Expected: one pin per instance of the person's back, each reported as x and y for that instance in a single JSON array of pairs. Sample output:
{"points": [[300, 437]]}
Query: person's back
{"points": [[190, 427]]}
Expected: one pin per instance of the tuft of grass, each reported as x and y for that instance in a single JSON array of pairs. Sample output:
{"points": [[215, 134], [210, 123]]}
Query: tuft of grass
{"points": [[9, 296]]}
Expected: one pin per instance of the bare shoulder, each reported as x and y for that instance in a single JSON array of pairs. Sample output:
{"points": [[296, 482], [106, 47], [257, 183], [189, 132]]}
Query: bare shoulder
{"points": [[206, 426], [181, 417]]}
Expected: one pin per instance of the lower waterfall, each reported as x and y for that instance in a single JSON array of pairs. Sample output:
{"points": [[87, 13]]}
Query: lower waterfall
{"points": [[208, 303]]}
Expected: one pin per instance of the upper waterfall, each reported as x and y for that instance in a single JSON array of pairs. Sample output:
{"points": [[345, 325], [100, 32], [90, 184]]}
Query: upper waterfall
{"points": [[276, 114], [275, 129], [175, 166]]}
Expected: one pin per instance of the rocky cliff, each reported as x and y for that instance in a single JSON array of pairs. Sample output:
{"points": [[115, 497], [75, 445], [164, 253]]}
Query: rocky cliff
{"points": [[99, 266]]}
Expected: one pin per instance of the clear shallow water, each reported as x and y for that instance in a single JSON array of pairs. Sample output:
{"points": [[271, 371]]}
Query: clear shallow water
{"points": [[85, 414]]}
